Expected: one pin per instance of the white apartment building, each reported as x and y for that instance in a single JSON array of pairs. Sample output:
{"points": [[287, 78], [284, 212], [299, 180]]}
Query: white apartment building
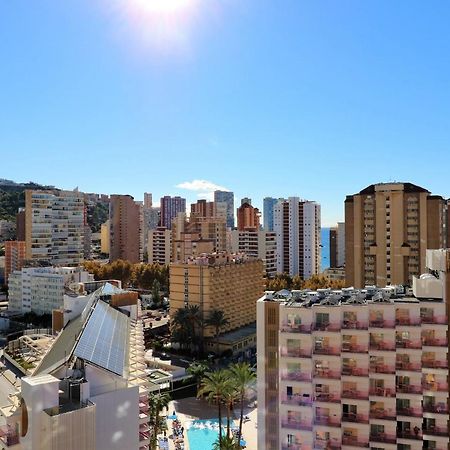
{"points": [[297, 226], [159, 245], [54, 226], [257, 244], [355, 368], [41, 289], [90, 390]]}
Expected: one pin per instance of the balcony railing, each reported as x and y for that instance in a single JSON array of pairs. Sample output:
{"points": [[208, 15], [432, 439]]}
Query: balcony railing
{"points": [[327, 420], [435, 431], [435, 386], [328, 350], [354, 348], [354, 442], [437, 320], [327, 444], [296, 400], [327, 397], [435, 342], [358, 418], [382, 392], [354, 394], [327, 326], [296, 424], [327, 373], [354, 325], [380, 323], [382, 368], [412, 412], [411, 366], [409, 434], [295, 447], [295, 352], [382, 414], [440, 408], [407, 343], [382, 345], [408, 321], [355, 371], [433, 364], [409, 389], [383, 437], [293, 328], [296, 376], [9, 436]]}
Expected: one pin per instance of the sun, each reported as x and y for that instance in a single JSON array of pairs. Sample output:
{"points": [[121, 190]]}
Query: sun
{"points": [[163, 6]]}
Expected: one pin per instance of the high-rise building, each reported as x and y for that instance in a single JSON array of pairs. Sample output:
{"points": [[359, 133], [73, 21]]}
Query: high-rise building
{"points": [[86, 389], [170, 208], [226, 282], [337, 245], [297, 224], [159, 245], [148, 200], [268, 207], [205, 209], [228, 198], [388, 227], [355, 369], [105, 237], [125, 221], [20, 225], [54, 226], [247, 217], [14, 257], [246, 200], [258, 244]]}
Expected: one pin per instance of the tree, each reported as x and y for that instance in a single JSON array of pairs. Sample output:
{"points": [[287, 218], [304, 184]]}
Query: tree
{"points": [[231, 396], [215, 386], [156, 295], [198, 371], [217, 320], [195, 320], [225, 443], [157, 404], [245, 379]]}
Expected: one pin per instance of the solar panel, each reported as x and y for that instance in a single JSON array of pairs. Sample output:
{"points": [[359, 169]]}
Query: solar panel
{"points": [[104, 339]]}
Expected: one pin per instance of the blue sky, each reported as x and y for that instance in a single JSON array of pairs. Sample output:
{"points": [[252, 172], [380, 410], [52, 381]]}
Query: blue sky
{"points": [[310, 98]]}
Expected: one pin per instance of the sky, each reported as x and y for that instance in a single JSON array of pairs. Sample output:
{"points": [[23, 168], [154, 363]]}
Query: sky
{"points": [[316, 99]]}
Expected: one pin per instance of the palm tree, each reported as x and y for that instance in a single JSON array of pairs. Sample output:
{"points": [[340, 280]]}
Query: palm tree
{"points": [[244, 378], [217, 320], [195, 320], [231, 396], [157, 404], [197, 370], [181, 327], [215, 386], [225, 443]]}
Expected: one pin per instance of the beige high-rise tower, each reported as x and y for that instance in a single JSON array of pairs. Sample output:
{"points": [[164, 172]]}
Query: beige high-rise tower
{"points": [[388, 227]]}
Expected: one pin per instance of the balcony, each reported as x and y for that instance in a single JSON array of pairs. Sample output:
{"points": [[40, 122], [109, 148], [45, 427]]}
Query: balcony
{"points": [[409, 389], [295, 447], [355, 371], [383, 437], [296, 424], [382, 368], [407, 343], [356, 418], [327, 373], [380, 323], [382, 414], [327, 326], [435, 342], [382, 345], [327, 420], [408, 321], [296, 400], [435, 386], [382, 392], [435, 320], [326, 444], [9, 436], [296, 352], [293, 328], [435, 431], [327, 397], [354, 348], [410, 366], [354, 325], [327, 350], [354, 442], [440, 408], [409, 434], [296, 376], [411, 412], [355, 395], [433, 364]]}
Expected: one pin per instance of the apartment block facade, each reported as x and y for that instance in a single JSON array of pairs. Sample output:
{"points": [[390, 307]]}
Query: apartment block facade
{"points": [[356, 368], [337, 245], [227, 198], [15, 252], [248, 217], [54, 227], [297, 225], [170, 208], [268, 212], [159, 245], [388, 228]]}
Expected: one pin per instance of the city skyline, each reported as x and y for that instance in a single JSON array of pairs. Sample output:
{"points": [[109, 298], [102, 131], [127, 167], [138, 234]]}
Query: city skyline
{"points": [[346, 95]]}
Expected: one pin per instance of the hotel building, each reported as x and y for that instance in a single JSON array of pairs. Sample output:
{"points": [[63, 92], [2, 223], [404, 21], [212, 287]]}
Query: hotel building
{"points": [[356, 368]]}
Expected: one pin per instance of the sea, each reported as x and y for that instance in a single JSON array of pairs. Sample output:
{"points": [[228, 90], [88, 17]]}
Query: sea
{"points": [[325, 248]]}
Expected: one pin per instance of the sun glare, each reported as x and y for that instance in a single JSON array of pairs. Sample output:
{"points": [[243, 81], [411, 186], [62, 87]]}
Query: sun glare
{"points": [[163, 6]]}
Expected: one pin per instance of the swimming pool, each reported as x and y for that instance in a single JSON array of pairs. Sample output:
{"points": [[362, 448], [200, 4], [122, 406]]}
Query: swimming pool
{"points": [[202, 434]]}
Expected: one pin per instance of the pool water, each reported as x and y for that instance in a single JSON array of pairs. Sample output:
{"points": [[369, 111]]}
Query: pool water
{"points": [[202, 434]]}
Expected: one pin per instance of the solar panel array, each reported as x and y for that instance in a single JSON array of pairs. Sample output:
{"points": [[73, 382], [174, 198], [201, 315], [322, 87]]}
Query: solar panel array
{"points": [[104, 339]]}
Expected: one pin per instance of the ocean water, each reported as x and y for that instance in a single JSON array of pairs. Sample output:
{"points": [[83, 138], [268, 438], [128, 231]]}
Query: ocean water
{"points": [[325, 248]]}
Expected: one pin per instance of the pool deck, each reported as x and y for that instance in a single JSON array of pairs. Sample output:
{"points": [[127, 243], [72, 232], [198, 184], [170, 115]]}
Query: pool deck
{"points": [[192, 408]]}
